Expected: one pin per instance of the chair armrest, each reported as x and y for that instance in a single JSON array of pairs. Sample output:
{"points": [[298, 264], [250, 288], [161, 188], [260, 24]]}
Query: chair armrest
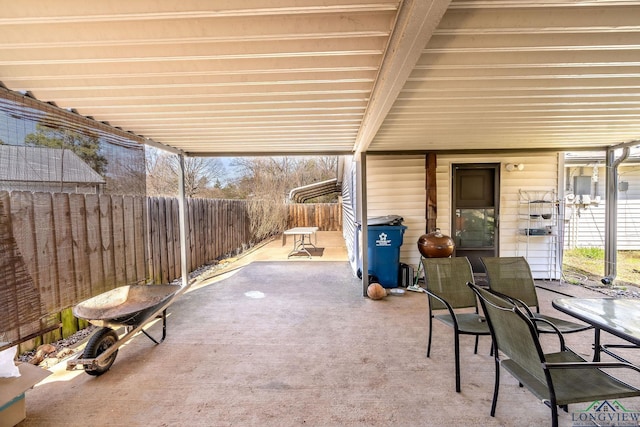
{"points": [[446, 304], [515, 301], [555, 329], [598, 365], [527, 311], [443, 301]]}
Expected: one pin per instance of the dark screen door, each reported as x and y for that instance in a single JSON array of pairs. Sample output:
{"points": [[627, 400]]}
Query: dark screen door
{"points": [[475, 212]]}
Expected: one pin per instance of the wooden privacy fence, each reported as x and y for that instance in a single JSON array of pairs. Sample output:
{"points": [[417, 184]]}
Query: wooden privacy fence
{"points": [[216, 228], [325, 216], [70, 246], [57, 249]]}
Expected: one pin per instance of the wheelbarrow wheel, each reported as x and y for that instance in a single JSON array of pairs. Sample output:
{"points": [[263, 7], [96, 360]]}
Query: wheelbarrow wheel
{"points": [[98, 344]]}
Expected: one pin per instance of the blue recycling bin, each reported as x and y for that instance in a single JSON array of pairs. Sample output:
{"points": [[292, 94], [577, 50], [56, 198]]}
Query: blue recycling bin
{"points": [[383, 251]]}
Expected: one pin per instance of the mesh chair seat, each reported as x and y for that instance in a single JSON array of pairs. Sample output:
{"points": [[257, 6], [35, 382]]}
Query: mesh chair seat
{"points": [[468, 323], [511, 276], [557, 378], [446, 286]]}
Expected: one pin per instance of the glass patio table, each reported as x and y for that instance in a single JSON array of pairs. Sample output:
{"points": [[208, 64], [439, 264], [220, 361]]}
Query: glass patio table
{"points": [[617, 316]]}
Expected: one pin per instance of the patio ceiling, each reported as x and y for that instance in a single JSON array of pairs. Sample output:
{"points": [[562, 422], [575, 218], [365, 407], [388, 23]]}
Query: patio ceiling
{"points": [[335, 76]]}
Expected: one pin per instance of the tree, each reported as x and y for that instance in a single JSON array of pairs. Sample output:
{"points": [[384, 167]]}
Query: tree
{"points": [[264, 181], [160, 181], [85, 145], [267, 181], [275, 177], [127, 176], [200, 174]]}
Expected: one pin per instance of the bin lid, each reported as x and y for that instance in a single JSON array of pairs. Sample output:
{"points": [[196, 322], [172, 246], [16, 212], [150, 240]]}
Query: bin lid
{"points": [[385, 220]]}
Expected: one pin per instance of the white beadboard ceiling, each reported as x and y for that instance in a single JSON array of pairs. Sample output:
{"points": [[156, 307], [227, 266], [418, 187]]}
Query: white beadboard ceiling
{"points": [[229, 77]]}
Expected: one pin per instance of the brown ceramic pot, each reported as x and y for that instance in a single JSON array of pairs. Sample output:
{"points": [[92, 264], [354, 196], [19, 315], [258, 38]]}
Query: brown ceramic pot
{"points": [[435, 245]]}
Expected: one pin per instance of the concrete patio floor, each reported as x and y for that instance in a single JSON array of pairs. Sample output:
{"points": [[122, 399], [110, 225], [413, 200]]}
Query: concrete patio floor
{"points": [[291, 342]]}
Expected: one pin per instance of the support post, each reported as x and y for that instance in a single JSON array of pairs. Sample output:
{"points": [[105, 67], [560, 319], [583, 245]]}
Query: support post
{"points": [[184, 232], [432, 192], [361, 196]]}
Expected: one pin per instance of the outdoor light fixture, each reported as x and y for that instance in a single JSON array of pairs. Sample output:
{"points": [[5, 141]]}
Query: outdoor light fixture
{"points": [[510, 167]]}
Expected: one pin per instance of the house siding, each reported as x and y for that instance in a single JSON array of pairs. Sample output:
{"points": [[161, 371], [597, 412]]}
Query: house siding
{"points": [[396, 186], [540, 175], [350, 230], [585, 225], [629, 173]]}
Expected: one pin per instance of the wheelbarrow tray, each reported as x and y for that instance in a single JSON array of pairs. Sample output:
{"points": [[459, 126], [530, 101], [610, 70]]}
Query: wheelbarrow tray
{"points": [[129, 305]]}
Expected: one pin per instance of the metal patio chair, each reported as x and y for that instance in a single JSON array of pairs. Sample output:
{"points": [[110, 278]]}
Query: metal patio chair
{"points": [[557, 378], [446, 286], [511, 277]]}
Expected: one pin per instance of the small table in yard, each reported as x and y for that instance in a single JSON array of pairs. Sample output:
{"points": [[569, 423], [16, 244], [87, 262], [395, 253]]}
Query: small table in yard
{"points": [[301, 239]]}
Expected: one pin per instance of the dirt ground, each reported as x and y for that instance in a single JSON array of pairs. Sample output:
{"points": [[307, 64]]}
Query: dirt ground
{"points": [[588, 265]]}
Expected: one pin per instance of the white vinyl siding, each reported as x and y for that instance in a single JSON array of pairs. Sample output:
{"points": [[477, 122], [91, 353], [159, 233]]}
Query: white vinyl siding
{"points": [[396, 186], [587, 225], [350, 230], [540, 174]]}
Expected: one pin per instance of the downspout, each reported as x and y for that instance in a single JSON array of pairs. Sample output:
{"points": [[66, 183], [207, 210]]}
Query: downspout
{"points": [[611, 214]]}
